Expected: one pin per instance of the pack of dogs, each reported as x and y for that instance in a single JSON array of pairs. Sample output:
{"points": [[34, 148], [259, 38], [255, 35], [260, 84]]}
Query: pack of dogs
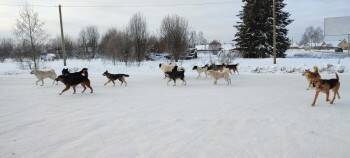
{"points": [[173, 72]]}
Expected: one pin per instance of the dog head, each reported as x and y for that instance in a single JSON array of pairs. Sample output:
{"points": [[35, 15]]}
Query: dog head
{"points": [[160, 65], [32, 72], [60, 78], [307, 71], [105, 73], [195, 68]]}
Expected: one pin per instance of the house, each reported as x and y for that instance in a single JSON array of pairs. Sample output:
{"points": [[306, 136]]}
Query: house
{"points": [[343, 45]]}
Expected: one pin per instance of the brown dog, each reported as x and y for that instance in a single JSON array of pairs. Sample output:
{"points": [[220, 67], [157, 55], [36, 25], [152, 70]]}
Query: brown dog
{"points": [[326, 86], [73, 80], [312, 76]]}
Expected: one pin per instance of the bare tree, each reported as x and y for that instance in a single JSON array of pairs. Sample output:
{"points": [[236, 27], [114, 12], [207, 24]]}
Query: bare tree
{"points": [[82, 42], [7, 47], [138, 33], [92, 36], [174, 31], [193, 39], [88, 41], [201, 39], [117, 45], [29, 29], [215, 46], [312, 36], [54, 46], [318, 36]]}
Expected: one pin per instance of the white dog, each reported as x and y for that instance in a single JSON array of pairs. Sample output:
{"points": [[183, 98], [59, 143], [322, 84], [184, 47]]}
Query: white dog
{"points": [[41, 75], [225, 74]]}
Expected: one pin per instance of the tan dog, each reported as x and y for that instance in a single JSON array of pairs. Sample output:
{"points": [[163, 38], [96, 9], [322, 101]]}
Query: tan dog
{"points": [[41, 75], [216, 75], [311, 76], [326, 86]]}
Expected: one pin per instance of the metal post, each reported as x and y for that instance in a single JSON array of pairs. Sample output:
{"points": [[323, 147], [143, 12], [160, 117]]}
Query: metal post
{"points": [[274, 30], [62, 38]]}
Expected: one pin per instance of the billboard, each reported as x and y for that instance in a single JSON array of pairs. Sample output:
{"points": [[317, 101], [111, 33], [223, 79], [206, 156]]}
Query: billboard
{"points": [[337, 26]]}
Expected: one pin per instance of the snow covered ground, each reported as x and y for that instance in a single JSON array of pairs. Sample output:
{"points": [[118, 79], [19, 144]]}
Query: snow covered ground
{"points": [[265, 115], [257, 116]]}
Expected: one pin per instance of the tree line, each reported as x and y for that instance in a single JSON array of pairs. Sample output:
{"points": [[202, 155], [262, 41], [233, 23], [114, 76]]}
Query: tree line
{"points": [[129, 44]]}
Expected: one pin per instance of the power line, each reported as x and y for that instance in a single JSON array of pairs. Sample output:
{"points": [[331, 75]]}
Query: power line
{"points": [[125, 6]]}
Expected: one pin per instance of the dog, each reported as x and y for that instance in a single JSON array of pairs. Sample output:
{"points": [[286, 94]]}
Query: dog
{"points": [[176, 74], [113, 77], [311, 76], [72, 80], [325, 86], [83, 71], [233, 68], [201, 70], [168, 68], [216, 75], [41, 75]]}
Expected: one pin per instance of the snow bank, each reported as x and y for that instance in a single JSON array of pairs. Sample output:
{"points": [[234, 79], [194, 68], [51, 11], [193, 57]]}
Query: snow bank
{"points": [[284, 65]]}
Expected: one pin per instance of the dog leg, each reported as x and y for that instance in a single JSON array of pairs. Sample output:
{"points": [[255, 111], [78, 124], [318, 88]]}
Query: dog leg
{"points": [[338, 94], [335, 93], [184, 82], [168, 82], [174, 82], [121, 81], [113, 83], [36, 83], [308, 88], [125, 83], [65, 89], [87, 83], [327, 96], [42, 82], [316, 95], [83, 85], [74, 89], [107, 82]]}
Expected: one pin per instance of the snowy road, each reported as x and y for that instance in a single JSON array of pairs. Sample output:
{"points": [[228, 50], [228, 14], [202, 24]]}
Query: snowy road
{"points": [[265, 116]]}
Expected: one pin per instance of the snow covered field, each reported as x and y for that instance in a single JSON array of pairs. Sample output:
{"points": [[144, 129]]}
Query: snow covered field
{"points": [[266, 115]]}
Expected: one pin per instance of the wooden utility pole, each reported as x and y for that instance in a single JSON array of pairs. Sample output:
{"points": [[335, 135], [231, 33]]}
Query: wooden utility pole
{"points": [[62, 38], [348, 43], [274, 30]]}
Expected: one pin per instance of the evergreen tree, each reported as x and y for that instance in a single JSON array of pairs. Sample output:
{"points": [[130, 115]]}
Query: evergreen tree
{"points": [[254, 35]]}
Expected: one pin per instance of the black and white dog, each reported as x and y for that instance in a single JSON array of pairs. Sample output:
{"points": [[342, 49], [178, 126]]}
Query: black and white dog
{"points": [[113, 77], [201, 70], [176, 74]]}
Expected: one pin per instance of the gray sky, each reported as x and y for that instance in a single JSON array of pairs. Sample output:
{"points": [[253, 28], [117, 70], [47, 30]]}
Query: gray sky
{"points": [[215, 20]]}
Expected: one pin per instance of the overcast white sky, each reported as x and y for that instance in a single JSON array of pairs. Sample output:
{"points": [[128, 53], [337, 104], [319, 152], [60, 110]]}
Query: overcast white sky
{"points": [[215, 20]]}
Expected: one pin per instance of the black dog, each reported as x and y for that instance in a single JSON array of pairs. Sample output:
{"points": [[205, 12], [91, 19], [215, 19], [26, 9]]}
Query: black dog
{"points": [[83, 72], [113, 77], [70, 80], [176, 74]]}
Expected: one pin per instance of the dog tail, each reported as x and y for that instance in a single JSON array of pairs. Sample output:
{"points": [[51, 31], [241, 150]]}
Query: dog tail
{"points": [[126, 75], [336, 75]]}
